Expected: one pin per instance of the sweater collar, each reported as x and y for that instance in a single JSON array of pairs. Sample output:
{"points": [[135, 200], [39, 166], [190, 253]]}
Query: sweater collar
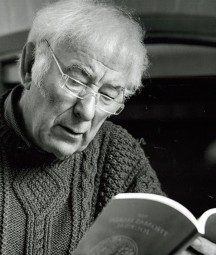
{"points": [[13, 116], [12, 130]]}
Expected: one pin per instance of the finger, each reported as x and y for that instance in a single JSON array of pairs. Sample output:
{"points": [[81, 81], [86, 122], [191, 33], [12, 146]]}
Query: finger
{"points": [[204, 246], [185, 253]]}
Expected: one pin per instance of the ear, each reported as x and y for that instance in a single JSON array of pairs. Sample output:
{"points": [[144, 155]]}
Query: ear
{"points": [[26, 63]]}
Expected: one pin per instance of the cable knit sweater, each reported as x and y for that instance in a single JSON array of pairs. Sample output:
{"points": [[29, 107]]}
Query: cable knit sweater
{"points": [[46, 205]]}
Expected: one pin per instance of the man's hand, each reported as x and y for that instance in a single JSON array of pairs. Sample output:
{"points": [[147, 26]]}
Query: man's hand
{"points": [[203, 246]]}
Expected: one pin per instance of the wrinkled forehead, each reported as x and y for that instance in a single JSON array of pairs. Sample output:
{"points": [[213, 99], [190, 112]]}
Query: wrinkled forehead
{"points": [[114, 54], [112, 58]]}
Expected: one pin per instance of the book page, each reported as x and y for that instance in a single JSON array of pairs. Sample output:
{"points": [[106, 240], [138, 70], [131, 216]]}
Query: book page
{"points": [[208, 223]]}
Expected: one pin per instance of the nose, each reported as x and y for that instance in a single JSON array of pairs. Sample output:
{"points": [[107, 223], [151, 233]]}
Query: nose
{"points": [[85, 108]]}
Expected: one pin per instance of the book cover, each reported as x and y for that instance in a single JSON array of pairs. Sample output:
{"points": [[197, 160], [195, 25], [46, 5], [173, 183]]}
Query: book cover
{"points": [[144, 224]]}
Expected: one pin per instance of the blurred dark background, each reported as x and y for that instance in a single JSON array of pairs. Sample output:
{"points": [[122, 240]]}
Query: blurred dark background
{"points": [[175, 113]]}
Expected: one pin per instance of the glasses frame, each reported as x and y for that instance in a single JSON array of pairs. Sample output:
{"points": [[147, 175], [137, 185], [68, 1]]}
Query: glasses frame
{"points": [[96, 94]]}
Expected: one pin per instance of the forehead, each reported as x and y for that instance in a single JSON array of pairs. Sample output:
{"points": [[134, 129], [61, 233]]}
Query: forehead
{"points": [[97, 62]]}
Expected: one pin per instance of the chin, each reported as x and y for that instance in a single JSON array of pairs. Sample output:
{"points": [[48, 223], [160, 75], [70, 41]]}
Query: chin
{"points": [[67, 152], [61, 151], [61, 156]]}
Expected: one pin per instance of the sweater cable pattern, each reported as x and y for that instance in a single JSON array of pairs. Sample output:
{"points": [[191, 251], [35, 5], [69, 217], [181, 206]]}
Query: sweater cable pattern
{"points": [[42, 186]]}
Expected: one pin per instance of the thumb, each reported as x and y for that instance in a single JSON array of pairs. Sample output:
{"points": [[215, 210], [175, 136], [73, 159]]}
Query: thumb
{"points": [[204, 246]]}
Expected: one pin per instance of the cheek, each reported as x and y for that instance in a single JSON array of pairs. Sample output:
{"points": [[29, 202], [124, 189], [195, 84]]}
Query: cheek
{"points": [[56, 96], [46, 109], [54, 99], [95, 126]]}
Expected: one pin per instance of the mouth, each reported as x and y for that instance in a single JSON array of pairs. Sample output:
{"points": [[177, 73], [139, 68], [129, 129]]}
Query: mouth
{"points": [[71, 132]]}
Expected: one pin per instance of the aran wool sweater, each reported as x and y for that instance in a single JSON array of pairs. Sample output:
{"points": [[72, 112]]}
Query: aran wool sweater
{"points": [[46, 205]]}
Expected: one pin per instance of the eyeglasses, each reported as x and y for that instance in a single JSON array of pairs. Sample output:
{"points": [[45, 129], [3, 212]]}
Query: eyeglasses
{"points": [[110, 101]]}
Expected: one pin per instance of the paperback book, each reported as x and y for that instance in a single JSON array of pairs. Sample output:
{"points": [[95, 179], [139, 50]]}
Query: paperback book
{"points": [[145, 224]]}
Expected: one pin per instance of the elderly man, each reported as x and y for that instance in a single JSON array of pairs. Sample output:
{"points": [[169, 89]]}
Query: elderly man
{"points": [[60, 160]]}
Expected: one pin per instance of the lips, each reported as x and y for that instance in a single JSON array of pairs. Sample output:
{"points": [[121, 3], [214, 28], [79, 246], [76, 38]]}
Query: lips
{"points": [[70, 131]]}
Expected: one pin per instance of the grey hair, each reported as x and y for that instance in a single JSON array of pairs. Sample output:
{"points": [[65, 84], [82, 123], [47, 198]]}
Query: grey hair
{"points": [[90, 23]]}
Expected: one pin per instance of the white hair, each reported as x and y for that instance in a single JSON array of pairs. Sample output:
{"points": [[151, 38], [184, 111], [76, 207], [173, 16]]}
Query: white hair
{"points": [[94, 24]]}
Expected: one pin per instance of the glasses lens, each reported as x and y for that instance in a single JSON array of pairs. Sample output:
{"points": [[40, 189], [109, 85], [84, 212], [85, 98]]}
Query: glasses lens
{"points": [[109, 105], [120, 109], [75, 86], [104, 102], [63, 81]]}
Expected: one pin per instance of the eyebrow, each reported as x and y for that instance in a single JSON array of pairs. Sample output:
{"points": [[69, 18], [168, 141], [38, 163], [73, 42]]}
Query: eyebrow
{"points": [[116, 87], [87, 74], [78, 67]]}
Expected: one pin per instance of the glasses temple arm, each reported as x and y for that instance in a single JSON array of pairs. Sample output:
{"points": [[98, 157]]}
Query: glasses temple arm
{"points": [[53, 54]]}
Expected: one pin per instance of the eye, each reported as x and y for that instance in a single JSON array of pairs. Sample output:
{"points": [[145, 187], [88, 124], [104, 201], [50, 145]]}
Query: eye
{"points": [[74, 85], [109, 92], [106, 99], [78, 73]]}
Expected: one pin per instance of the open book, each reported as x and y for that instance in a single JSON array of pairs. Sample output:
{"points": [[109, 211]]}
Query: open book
{"points": [[145, 224]]}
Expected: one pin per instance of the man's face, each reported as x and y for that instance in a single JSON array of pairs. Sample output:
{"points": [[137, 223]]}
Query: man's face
{"points": [[60, 123]]}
